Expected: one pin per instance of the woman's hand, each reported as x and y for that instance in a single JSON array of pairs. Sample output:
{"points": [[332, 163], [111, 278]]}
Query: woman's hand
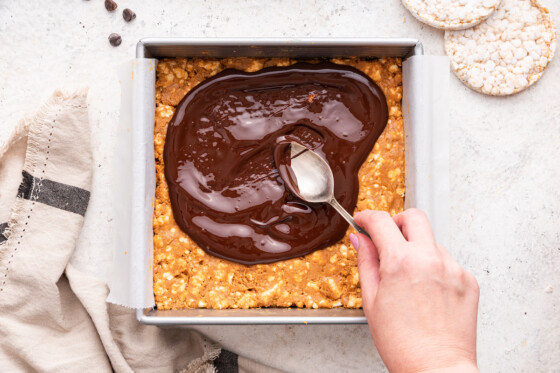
{"points": [[421, 305]]}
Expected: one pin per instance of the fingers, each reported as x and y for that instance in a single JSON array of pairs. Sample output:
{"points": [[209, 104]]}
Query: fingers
{"points": [[384, 233], [368, 268], [415, 226]]}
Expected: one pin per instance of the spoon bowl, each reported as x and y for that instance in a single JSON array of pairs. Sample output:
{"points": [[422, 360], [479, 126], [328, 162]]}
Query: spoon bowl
{"points": [[308, 176], [314, 178]]}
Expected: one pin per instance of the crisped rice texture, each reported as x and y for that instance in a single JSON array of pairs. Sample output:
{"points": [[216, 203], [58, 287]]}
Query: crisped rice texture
{"points": [[451, 14], [507, 53], [186, 277]]}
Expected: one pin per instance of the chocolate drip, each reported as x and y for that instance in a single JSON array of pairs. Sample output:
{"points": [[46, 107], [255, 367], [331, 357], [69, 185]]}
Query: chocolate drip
{"points": [[225, 190]]}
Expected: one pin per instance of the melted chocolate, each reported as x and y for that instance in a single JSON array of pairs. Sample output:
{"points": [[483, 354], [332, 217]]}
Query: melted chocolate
{"points": [[283, 161], [225, 190]]}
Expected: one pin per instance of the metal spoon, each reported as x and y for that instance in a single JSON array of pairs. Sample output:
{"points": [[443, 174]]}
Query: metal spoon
{"points": [[310, 178]]}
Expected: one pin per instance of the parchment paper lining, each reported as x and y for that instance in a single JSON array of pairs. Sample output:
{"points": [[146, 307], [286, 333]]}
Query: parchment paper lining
{"points": [[426, 115]]}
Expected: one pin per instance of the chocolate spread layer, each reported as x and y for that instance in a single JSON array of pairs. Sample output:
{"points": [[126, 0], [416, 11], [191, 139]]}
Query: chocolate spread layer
{"points": [[225, 190]]}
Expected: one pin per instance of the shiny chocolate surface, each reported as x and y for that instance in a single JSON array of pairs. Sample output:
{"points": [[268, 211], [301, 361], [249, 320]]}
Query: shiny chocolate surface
{"points": [[225, 189]]}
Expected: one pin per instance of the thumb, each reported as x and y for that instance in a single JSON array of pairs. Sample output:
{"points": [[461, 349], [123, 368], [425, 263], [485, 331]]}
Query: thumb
{"points": [[368, 268]]}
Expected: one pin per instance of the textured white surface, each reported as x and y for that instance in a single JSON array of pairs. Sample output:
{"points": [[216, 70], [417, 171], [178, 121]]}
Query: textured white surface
{"points": [[451, 14], [508, 52], [504, 162]]}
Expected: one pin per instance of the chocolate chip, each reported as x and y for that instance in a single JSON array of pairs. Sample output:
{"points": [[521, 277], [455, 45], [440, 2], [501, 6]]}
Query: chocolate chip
{"points": [[110, 5], [115, 39], [128, 15]]}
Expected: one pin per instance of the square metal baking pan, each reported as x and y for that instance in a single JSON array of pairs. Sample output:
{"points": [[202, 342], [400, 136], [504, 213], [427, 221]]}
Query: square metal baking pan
{"points": [[268, 47]]}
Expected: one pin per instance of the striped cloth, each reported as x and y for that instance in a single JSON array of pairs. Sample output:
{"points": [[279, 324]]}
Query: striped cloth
{"points": [[53, 315]]}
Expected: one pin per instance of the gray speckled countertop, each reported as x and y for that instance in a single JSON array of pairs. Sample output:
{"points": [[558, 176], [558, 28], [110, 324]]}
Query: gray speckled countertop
{"points": [[505, 178]]}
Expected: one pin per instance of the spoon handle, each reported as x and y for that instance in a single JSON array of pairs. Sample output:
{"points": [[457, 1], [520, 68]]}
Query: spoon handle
{"points": [[334, 203]]}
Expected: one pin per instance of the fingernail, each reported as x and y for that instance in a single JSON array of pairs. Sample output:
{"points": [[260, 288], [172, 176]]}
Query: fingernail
{"points": [[354, 241]]}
